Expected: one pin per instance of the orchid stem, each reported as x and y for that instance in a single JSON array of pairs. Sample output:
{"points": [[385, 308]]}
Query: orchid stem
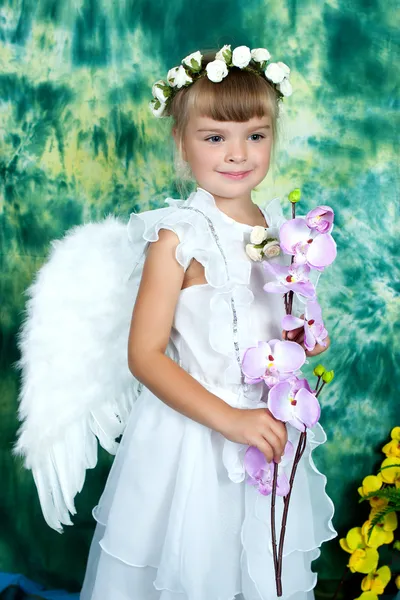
{"points": [[293, 210], [318, 391], [339, 587], [273, 528], [301, 446], [318, 380]]}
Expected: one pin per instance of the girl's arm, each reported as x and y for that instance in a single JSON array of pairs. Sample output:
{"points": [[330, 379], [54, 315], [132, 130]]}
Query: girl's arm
{"points": [[149, 334]]}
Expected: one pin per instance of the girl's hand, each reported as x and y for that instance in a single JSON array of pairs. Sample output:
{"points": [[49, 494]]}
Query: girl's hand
{"points": [[257, 427], [297, 335]]}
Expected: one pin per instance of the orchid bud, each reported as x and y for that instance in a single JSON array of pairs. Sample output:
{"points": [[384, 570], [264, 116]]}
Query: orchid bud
{"points": [[396, 546], [295, 195], [328, 376], [319, 370]]}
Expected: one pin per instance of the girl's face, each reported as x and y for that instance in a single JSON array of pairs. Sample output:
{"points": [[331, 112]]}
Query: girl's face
{"points": [[228, 158]]}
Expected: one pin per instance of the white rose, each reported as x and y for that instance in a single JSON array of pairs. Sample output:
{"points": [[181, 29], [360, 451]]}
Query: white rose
{"points": [[241, 56], [284, 68], [193, 61], [272, 249], [274, 73], [260, 55], [178, 77], [258, 234], [253, 253], [285, 87], [159, 91], [216, 70], [224, 54], [157, 107]]}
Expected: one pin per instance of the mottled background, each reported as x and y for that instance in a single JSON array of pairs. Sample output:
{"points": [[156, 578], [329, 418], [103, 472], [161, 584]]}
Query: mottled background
{"points": [[77, 142]]}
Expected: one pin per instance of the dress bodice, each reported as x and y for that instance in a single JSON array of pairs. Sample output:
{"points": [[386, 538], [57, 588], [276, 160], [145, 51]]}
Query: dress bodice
{"points": [[216, 321]]}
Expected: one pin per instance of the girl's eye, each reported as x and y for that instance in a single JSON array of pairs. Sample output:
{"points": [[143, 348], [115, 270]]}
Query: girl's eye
{"points": [[214, 138], [256, 137]]}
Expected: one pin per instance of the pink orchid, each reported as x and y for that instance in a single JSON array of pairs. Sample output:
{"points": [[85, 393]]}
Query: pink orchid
{"points": [[292, 278], [317, 250], [261, 473], [314, 330], [321, 219], [272, 361], [292, 401]]}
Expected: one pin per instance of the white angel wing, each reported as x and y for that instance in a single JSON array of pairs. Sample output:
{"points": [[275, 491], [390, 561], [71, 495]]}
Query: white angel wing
{"points": [[76, 384]]}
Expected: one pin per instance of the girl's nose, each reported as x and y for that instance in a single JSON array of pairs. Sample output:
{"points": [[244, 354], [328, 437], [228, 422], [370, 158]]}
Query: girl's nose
{"points": [[236, 153]]}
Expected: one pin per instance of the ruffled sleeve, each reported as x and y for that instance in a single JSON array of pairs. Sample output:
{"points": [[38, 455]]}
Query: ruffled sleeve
{"points": [[144, 227]]}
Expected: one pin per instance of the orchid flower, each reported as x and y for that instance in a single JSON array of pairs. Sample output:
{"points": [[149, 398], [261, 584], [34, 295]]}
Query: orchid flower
{"points": [[321, 219], [317, 250], [261, 473], [314, 330], [293, 278], [272, 361], [292, 401]]}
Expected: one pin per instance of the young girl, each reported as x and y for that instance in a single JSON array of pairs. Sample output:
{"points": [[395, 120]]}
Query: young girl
{"points": [[176, 520]]}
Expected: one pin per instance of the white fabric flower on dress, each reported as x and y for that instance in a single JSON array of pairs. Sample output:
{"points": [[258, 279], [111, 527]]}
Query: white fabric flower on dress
{"points": [[216, 70], [224, 54], [193, 61], [254, 253], [272, 249], [275, 73], [260, 55], [241, 56], [258, 234], [178, 77]]}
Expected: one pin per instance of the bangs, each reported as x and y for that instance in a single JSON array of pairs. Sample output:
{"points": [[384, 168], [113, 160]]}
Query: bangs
{"points": [[239, 97]]}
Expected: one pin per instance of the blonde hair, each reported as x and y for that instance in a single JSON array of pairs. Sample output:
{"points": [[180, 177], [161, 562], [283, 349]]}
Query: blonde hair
{"points": [[240, 96]]}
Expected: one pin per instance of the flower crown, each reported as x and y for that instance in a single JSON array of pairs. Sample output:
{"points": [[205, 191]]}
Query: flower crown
{"points": [[242, 57]]}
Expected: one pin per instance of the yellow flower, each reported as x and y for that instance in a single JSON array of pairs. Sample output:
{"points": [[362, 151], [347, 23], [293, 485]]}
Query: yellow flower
{"points": [[376, 581], [363, 559], [393, 447], [391, 475], [382, 533], [368, 596], [397, 582], [378, 503], [371, 483]]}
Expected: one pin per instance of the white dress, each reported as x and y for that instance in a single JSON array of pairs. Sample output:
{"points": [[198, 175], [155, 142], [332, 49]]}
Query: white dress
{"points": [[177, 521]]}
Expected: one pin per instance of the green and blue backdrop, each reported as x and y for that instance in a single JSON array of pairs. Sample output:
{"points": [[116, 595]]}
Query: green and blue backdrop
{"points": [[77, 142]]}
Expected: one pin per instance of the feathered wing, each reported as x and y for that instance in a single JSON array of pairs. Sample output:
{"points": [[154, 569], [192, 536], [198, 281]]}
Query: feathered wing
{"points": [[76, 384]]}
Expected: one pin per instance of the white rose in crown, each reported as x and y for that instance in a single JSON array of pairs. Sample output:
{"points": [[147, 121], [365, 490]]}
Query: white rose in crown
{"points": [[275, 73], [241, 56], [178, 77], [217, 70], [285, 87], [224, 54], [157, 107], [258, 234], [260, 55], [253, 253], [193, 61], [272, 249], [284, 68], [160, 91]]}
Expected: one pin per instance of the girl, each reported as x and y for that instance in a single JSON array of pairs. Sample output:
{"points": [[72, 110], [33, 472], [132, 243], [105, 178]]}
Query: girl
{"points": [[176, 521]]}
